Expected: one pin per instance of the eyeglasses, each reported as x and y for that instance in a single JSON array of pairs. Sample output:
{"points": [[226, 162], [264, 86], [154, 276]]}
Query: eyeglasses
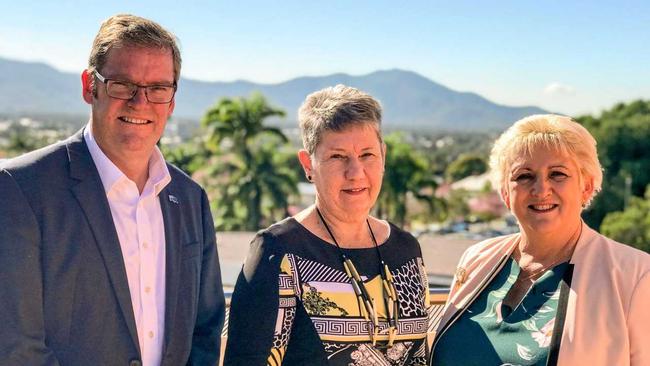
{"points": [[119, 89]]}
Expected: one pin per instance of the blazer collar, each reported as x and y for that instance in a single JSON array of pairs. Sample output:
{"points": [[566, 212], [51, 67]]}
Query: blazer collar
{"points": [[81, 163], [586, 236]]}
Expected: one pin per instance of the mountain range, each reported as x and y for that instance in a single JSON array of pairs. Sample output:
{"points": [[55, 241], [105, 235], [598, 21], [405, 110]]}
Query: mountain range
{"points": [[410, 100]]}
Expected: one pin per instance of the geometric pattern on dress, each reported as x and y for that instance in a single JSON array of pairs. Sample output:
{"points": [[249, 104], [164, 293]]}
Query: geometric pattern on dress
{"points": [[412, 325], [423, 274], [355, 326], [311, 271], [275, 357], [296, 277], [285, 282], [421, 352], [435, 315], [287, 302], [286, 316], [366, 355], [303, 274], [418, 361], [410, 291], [342, 326]]}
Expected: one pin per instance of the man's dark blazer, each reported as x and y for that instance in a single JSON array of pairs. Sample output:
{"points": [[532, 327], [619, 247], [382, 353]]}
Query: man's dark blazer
{"points": [[64, 296]]}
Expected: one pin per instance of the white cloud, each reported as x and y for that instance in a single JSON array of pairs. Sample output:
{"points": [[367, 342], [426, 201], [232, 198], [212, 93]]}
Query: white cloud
{"points": [[557, 89]]}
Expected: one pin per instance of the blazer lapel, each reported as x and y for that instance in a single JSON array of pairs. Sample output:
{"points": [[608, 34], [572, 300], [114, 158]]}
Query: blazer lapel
{"points": [[483, 272], [171, 210], [560, 317], [92, 199]]}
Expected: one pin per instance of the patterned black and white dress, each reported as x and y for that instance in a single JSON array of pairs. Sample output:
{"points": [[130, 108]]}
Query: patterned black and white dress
{"points": [[294, 305]]}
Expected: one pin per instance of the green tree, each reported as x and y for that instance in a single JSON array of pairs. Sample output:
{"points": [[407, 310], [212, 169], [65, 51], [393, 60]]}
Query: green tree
{"points": [[250, 173], [457, 208], [21, 140], [464, 166], [406, 174], [189, 156], [622, 134], [631, 226], [257, 193], [445, 148], [235, 122]]}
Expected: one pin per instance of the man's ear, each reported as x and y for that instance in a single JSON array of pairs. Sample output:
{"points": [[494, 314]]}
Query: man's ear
{"points": [[305, 161], [172, 104], [87, 86]]}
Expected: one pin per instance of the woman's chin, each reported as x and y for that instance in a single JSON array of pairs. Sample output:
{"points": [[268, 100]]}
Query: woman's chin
{"points": [[545, 227]]}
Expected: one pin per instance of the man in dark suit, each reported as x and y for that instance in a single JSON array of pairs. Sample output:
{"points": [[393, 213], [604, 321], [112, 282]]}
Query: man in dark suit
{"points": [[107, 253]]}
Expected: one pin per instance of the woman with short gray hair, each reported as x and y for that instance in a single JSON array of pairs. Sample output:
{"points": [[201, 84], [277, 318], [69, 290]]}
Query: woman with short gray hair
{"points": [[333, 285]]}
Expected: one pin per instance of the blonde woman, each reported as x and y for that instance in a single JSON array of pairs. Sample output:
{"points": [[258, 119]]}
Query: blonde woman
{"points": [[558, 292]]}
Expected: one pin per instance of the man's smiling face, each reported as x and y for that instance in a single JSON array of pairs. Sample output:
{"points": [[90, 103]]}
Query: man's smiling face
{"points": [[129, 129]]}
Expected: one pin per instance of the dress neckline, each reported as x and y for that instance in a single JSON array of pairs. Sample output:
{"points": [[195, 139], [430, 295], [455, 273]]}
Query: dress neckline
{"points": [[386, 242]]}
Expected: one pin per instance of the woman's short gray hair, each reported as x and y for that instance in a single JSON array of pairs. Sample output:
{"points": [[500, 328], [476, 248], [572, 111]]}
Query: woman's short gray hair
{"points": [[335, 109], [549, 131]]}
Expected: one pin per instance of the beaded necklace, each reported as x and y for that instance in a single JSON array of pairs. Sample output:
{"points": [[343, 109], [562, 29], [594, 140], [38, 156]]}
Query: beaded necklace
{"points": [[365, 301]]}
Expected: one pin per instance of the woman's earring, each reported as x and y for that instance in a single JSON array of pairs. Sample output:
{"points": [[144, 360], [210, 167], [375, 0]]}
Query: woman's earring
{"points": [[309, 177]]}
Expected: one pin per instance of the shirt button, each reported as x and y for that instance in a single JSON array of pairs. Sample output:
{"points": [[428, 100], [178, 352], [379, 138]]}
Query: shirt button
{"points": [[147, 289], [150, 334], [145, 245]]}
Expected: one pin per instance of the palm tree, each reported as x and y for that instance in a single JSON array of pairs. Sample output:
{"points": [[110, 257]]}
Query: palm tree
{"points": [[189, 156], [236, 121], [255, 194], [406, 174], [252, 175]]}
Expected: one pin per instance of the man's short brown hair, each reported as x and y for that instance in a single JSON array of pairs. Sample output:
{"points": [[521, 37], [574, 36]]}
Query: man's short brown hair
{"points": [[123, 30]]}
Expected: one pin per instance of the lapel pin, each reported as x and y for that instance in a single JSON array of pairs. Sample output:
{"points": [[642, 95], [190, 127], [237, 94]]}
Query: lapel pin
{"points": [[461, 276], [173, 199]]}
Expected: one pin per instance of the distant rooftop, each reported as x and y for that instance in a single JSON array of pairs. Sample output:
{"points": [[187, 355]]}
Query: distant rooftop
{"points": [[472, 183]]}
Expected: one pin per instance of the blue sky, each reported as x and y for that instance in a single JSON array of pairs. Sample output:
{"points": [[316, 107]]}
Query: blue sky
{"points": [[570, 57]]}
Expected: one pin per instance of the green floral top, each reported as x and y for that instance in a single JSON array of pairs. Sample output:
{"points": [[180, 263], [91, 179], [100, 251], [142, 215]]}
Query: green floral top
{"points": [[491, 333]]}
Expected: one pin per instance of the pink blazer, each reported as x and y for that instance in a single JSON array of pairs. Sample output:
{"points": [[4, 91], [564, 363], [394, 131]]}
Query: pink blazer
{"points": [[608, 311]]}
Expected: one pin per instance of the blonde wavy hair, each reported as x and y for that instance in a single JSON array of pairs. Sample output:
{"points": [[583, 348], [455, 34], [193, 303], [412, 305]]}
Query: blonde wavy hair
{"points": [[546, 131]]}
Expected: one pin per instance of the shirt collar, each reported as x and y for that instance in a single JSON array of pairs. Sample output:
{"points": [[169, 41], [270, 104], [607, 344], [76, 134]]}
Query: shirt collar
{"points": [[110, 174], [158, 172]]}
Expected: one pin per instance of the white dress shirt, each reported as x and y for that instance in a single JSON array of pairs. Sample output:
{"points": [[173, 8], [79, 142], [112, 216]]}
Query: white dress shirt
{"points": [[139, 223]]}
